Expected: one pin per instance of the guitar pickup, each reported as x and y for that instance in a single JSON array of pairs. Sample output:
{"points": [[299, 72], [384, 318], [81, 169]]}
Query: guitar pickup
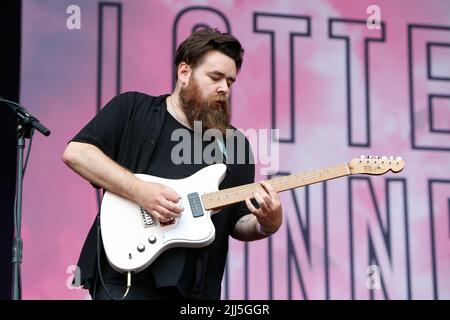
{"points": [[195, 204]]}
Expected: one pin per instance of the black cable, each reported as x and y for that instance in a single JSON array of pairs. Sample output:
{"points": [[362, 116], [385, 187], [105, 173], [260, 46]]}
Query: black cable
{"points": [[94, 294], [28, 153], [13, 254], [100, 269], [15, 216]]}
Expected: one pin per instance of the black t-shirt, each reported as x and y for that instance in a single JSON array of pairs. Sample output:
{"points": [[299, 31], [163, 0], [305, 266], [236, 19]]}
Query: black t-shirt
{"points": [[134, 129]]}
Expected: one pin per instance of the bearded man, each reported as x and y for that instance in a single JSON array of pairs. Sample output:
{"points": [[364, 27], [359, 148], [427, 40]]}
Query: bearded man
{"points": [[133, 134]]}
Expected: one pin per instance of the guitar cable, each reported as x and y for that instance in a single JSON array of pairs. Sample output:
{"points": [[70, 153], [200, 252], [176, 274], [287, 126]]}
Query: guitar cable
{"points": [[100, 269]]}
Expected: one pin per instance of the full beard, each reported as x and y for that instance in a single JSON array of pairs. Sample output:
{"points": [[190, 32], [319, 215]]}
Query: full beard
{"points": [[213, 112]]}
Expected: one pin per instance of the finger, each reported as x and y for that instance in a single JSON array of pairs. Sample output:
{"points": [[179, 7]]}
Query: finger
{"points": [[166, 213], [251, 207], [273, 200], [261, 201], [169, 205], [158, 216], [263, 193], [270, 190], [170, 194]]}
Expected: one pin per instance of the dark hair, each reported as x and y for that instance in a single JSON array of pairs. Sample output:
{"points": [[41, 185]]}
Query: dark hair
{"points": [[194, 48]]}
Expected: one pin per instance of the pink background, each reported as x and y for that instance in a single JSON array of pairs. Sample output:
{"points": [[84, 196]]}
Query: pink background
{"points": [[409, 235]]}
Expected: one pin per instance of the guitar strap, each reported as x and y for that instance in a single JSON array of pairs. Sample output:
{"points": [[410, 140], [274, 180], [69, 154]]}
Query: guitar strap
{"points": [[222, 148]]}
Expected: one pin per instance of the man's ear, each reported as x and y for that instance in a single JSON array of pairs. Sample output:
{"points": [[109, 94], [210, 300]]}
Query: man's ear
{"points": [[184, 72]]}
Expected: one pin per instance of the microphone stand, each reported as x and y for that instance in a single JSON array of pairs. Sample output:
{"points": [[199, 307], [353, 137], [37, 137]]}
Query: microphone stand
{"points": [[26, 124]]}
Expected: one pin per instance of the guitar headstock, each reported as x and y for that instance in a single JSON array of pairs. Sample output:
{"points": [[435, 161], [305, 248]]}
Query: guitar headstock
{"points": [[376, 165]]}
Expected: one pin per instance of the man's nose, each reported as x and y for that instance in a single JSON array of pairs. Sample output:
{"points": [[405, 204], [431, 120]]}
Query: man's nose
{"points": [[223, 87]]}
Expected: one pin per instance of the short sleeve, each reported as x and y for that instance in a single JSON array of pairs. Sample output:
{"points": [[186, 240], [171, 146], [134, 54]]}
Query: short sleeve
{"points": [[105, 130]]}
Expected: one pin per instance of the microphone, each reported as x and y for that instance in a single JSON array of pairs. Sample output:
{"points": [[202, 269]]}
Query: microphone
{"points": [[26, 117]]}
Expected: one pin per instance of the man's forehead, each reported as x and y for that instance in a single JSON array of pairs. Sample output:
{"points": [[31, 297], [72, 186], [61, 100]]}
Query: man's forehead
{"points": [[216, 61]]}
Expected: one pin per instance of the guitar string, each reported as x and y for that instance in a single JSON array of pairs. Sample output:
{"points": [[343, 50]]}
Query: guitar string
{"points": [[295, 180]]}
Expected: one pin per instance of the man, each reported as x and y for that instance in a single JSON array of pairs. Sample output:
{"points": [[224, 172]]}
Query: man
{"points": [[132, 134]]}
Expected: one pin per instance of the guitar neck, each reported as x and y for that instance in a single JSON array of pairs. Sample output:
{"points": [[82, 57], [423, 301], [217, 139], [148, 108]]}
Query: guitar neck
{"points": [[219, 199]]}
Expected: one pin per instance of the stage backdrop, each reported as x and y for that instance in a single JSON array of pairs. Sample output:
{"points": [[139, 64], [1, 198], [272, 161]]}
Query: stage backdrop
{"points": [[337, 78]]}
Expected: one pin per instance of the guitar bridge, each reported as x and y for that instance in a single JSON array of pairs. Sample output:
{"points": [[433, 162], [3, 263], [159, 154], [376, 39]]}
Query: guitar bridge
{"points": [[147, 218]]}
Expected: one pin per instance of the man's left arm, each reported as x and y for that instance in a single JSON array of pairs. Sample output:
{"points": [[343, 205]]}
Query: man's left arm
{"points": [[263, 221]]}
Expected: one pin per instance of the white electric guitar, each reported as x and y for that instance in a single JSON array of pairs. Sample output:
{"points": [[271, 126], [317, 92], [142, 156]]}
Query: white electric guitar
{"points": [[133, 239]]}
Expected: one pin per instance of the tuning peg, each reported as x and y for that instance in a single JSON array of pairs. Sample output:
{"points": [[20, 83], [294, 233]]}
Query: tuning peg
{"points": [[377, 157], [370, 157], [362, 156], [399, 158], [391, 158]]}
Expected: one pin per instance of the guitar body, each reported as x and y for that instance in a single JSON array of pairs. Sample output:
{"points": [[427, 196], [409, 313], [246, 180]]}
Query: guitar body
{"points": [[133, 239]]}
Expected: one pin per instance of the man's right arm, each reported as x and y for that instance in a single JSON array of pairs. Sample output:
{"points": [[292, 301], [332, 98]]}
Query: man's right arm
{"points": [[92, 164]]}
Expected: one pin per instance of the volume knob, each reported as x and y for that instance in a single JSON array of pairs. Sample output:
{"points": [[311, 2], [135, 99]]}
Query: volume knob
{"points": [[152, 239]]}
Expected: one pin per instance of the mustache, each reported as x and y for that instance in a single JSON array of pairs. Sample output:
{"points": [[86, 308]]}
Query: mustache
{"points": [[219, 100]]}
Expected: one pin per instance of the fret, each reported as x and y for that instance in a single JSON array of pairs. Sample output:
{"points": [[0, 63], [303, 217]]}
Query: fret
{"points": [[233, 195]]}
